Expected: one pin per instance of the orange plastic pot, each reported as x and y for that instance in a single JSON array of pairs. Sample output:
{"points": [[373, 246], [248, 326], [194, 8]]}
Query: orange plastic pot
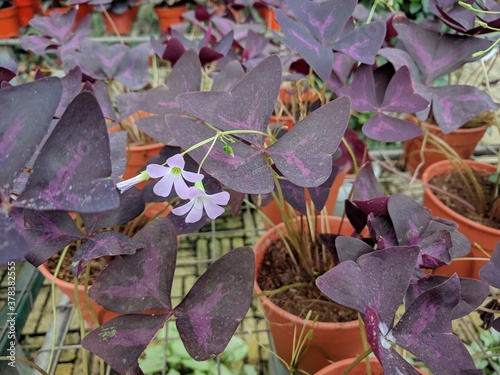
{"points": [[9, 27], [485, 236], [463, 141], [273, 213], [268, 15], [102, 314], [169, 16], [122, 22], [25, 11], [330, 341], [338, 368]]}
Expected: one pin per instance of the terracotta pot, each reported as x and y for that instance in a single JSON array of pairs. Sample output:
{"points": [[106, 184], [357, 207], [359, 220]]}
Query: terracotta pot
{"points": [[122, 22], [330, 341], [82, 11], [9, 27], [102, 314], [338, 368], [25, 11], [270, 18], [169, 16], [463, 141], [273, 213], [485, 236]]}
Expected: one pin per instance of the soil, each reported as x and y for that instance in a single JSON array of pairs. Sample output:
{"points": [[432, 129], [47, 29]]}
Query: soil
{"points": [[278, 270], [452, 182]]}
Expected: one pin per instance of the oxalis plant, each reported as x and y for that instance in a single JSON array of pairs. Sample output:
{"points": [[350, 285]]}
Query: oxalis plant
{"points": [[378, 274]]}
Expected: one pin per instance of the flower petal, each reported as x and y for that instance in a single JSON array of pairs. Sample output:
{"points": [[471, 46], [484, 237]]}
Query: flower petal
{"points": [[157, 170], [220, 198], [181, 187], [176, 161], [164, 186], [191, 176], [184, 209], [213, 210], [196, 212]]}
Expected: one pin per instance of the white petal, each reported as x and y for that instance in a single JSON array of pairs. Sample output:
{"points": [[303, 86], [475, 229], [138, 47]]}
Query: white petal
{"points": [[157, 171], [213, 210], [196, 211], [181, 188], [164, 186], [184, 209], [176, 161], [220, 198], [191, 176]]}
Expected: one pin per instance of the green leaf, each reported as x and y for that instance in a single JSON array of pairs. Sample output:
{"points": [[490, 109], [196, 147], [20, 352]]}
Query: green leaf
{"points": [[236, 350], [493, 177]]}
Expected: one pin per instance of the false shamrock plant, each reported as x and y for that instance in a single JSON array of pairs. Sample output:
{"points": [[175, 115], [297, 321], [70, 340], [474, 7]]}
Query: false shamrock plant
{"points": [[70, 170], [375, 277]]}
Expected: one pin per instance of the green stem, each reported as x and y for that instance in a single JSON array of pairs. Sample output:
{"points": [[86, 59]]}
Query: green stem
{"points": [[28, 363], [365, 354]]}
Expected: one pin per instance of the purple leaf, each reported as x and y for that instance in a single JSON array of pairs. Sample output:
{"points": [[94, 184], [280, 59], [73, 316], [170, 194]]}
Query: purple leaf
{"points": [[321, 130], [490, 272], [73, 169], [294, 195], [434, 250], [319, 57], [356, 216], [389, 129], [121, 341], [131, 206], [366, 185], [102, 95], [399, 94], [118, 146], [23, 127], [132, 71], [8, 70], [230, 111], [71, 87], [48, 233], [324, 20], [425, 330], [410, 219], [460, 245], [13, 246], [156, 127], [319, 195], [382, 231], [362, 90], [363, 43], [376, 206], [472, 293], [246, 172], [378, 281], [214, 307], [142, 281], [436, 54], [57, 26], [350, 248], [453, 106], [229, 76], [108, 243]]}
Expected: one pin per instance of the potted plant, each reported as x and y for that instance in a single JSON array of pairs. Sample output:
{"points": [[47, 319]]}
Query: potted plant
{"points": [[8, 20], [376, 282], [170, 12], [118, 15]]}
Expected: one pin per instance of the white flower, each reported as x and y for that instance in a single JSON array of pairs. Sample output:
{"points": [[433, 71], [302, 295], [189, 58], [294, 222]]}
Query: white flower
{"points": [[123, 186], [173, 175], [200, 200]]}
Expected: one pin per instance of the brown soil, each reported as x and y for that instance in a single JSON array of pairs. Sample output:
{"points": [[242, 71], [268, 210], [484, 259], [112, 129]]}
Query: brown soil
{"points": [[278, 270], [451, 182]]}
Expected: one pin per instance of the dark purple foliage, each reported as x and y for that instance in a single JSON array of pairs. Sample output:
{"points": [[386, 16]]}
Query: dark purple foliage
{"points": [[8, 70], [206, 318], [56, 34], [323, 28], [383, 90], [490, 272], [73, 170]]}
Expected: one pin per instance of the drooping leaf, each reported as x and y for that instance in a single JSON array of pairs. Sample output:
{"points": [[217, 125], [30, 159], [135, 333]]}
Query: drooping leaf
{"points": [[472, 293], [73, 170], [366, 185], [425, 330], [322, 131], [214, 307], [121, 341], [410, 219], [8, 70], [108, 243], [350, 248], [231, 110], [23, 127], [142, 281], [48, 233]]}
